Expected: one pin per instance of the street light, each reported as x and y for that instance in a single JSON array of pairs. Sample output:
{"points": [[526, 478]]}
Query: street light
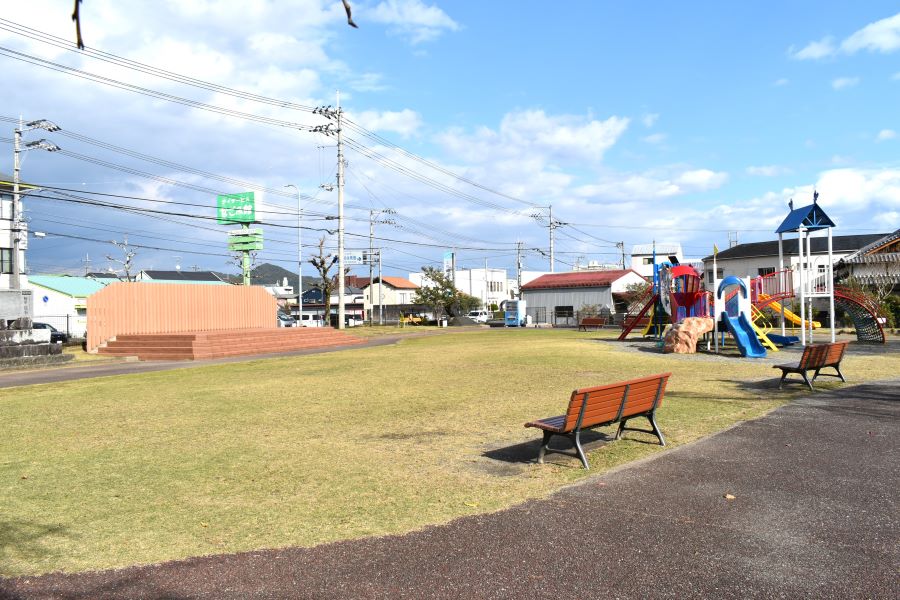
{"points": [[46, 125], [299, 256]]}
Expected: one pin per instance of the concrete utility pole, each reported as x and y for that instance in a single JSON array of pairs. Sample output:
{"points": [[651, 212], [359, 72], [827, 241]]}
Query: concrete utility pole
{"points": [[519, 268], [15, 279], [335, 113], [550, 219], [621, 246], [340, 184], [299, 256], [372, 214]]}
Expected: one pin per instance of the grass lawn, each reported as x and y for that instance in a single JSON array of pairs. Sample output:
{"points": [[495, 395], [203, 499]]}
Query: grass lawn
{"points": [[304, 450]]}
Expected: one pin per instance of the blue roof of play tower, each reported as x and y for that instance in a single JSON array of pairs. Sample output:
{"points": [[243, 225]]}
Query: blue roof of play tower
{"points": [[810, 217]]}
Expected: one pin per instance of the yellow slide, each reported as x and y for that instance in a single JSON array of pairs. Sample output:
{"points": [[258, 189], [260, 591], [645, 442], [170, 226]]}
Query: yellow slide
{"points": [[788, 314]]}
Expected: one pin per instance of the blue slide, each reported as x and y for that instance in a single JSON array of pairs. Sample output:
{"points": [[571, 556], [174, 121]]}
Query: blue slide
{"points": [[745, 336]]}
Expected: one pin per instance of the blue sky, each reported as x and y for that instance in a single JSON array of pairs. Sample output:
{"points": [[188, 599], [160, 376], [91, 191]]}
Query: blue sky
{"points": [[674, 122]]}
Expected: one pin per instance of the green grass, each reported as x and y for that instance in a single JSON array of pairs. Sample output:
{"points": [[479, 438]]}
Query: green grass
{"points": [[137, 469]]}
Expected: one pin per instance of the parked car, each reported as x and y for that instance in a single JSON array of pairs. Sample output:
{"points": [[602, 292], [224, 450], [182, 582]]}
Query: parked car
{"points": [[56, 336], [312, 321], [286, 320], [480, 316]]}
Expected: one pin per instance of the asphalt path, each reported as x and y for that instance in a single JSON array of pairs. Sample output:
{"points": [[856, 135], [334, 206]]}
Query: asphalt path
{"points": [[70, 372], [801, 503]]}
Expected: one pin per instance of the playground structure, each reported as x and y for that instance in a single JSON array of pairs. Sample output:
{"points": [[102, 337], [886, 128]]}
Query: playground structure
{"points": [[676, 293]]}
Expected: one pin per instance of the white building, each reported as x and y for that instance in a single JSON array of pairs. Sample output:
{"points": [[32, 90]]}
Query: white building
{"points": [[7, 242], [490, 285], [61, 300], [642, 256]]}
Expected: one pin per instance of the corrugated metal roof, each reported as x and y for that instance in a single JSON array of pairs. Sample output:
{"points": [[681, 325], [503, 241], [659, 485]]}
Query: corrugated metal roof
{"points": [[576, 279], [77, 287]]}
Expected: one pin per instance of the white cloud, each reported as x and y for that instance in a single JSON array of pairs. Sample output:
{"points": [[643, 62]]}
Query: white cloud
{"points": [[413, 19], [649, 120], [814, 50], [405, 123], [844, 82], [533, 132], [886, 134], [655, 138], [768, 171], [861, 188], [881, 36], [781, 82], [653, 185], [896, 76]]}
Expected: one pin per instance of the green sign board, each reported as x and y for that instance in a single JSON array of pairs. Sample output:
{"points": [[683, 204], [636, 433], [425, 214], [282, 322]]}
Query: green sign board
{"points": [[245, 239], [235, 208]]}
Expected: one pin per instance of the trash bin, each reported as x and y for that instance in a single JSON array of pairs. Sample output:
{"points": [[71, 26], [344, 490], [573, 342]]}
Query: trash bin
{"points": [[443, 321]]}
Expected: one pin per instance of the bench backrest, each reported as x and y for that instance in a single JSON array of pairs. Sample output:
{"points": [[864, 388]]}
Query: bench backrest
{"points": [[609, 403], [819, 355], [835, 353], [593, 321]]}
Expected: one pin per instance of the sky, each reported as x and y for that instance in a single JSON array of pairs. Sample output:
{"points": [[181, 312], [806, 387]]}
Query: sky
{"points": [[465, 125]]}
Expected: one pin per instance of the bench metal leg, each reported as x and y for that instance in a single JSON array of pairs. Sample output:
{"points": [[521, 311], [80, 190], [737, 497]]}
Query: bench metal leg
{"points": [[838, 374], [655, 428], [577, 439], [544, 446]]}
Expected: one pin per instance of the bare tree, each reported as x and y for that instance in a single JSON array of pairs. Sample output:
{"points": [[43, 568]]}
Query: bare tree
{"points": [[127, 258], [327, 282]]}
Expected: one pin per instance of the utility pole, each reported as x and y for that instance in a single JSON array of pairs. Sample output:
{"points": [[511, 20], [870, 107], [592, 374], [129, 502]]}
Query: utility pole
{"points": [[335, 113], [380, 291], [519, 268], [550, 219], [86, 261], [15, 279], [372, 214], [299, 257], [621, 246]]}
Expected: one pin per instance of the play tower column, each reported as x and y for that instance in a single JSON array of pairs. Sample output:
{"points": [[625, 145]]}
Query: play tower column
{"points": [[804, 221]]}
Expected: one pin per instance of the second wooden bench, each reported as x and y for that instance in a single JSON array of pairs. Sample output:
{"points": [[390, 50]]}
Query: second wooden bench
{"points": [[815, 358], [604, 405]]}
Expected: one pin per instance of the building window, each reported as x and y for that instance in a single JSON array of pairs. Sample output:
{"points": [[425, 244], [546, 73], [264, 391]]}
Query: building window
{"points": [[648, 260], [563, 311], [765, 270], [6, 261]]}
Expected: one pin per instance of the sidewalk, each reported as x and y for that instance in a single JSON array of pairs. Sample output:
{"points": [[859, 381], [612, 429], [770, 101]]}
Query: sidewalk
{"points": [[814, 515]]}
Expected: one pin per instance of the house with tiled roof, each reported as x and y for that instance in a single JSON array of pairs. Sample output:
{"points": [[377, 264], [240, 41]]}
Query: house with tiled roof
{"points": [[388, 291], [877, 263], [557, 298], [760, 258], [61, 300]]}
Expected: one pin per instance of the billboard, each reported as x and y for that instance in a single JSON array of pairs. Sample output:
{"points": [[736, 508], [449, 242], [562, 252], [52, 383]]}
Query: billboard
{"points": [[235, 208]]}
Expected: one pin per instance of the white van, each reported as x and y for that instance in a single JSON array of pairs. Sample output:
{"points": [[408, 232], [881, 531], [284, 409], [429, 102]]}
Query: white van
{"points": [[480, 316], [312, 321]]}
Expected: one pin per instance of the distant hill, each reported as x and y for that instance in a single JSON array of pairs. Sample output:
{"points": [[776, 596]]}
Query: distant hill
{"points": [[269, 274]]}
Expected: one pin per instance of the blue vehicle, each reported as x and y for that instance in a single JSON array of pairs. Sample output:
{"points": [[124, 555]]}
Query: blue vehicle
{"points": [[515, 313]]}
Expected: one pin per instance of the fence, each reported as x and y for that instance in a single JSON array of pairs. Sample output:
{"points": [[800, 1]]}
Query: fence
{"points": [[143, 308], [72, 325]]}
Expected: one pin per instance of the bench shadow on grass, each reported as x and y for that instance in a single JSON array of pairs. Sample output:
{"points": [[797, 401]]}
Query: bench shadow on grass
{"points": [[518, 455]]}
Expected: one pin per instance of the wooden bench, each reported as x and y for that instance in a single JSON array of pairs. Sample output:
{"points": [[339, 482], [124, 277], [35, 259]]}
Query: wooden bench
{"points": [[604, 405], [595, 322], [815, 358]]}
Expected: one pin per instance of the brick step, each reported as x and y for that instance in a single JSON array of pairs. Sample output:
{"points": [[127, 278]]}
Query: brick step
{"points": [[234, 347], [219, 344]]}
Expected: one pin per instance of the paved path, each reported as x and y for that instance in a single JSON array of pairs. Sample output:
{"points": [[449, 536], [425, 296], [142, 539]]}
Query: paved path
{"points": [[815, 515], [87, 370]]}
